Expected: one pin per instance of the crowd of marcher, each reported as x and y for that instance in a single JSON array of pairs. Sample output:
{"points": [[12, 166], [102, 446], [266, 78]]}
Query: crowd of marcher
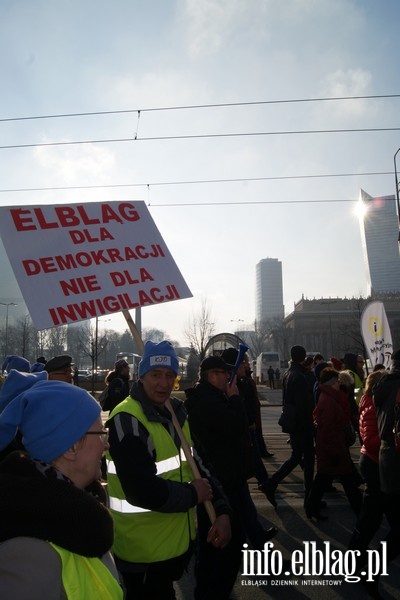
{"points": [[331, 404], [118, 511]]}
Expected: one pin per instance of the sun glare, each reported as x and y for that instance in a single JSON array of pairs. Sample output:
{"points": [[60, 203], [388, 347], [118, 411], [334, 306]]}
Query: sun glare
{"points": [[360, 209]]}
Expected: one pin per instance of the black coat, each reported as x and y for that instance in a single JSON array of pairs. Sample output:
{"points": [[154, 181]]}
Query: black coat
{"points": [[118, 390], [297, 390], [220, 425], [384, 398]]}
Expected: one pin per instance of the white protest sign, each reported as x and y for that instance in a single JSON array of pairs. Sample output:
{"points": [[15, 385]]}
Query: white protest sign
{"points": [[376, 334], [78, 261]]}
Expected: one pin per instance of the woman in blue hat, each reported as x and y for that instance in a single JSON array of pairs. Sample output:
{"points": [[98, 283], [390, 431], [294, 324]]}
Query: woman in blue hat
{"points": [[56, 530]]}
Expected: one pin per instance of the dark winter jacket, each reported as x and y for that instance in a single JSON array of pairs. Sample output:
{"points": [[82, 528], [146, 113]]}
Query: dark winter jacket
{"points": [[298, 391], [384, 397], [249, 397], [220, 425], [333, 457], [118, 389]]}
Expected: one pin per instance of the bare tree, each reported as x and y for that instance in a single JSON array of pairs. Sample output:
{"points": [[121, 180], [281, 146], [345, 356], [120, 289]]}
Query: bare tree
{"points": [[25, 333], [157, 335], [56, 340], [192, 368], [41, 342], [92, 344], [78, 339], [199, 330], [350, 337], [257, 338], [153, 334], [277, 336], [111, 346]]}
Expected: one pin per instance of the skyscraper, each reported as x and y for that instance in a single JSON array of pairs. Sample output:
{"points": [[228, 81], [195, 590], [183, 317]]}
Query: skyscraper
{"points": [[269, 289], [379, 238]]}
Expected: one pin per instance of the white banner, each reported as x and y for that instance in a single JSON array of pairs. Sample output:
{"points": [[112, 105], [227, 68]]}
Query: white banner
{"points": [[376, 334], [78, 261]]}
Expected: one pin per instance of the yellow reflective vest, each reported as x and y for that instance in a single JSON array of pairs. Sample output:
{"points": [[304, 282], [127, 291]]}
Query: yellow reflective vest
{"points": [[358, 387], [87, 578], [142, 535]]}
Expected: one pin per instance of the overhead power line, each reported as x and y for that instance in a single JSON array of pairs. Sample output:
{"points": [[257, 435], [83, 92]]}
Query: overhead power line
{"points": [[199, 136], [249, 202], [198, 106], [253, 202], [195, 182]]}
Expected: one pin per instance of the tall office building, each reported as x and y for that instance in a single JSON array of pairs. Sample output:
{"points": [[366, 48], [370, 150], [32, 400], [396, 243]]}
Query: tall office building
{"points": [[379, 236], [269, 290]]}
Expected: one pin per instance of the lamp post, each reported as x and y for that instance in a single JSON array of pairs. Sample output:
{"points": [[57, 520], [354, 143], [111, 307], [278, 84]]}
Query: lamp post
{"points": [[94, 344], [95, 352], [237, 330], [7, 305], [103, 342], [237, 321]]}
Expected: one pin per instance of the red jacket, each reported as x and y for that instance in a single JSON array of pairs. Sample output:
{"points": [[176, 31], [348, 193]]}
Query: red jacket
{"points": [[333, 457], [368, 428]]}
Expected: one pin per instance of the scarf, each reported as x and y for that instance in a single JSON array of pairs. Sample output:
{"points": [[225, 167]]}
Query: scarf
{"points": [[38, 501]]}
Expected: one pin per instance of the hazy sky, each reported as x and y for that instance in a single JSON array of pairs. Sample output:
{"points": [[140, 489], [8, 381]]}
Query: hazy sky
{"points": [[62, 57]]}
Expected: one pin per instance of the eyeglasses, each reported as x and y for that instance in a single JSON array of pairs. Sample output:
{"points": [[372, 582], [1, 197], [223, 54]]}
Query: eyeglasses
{"points": [[103, 434], [220, 371]]}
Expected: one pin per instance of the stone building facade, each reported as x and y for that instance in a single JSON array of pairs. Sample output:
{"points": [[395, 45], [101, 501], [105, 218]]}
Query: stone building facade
{"points": [[331, 326]]}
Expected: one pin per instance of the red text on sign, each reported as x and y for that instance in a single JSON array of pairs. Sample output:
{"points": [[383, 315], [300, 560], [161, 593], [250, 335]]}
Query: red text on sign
{"points": [[31, 219]]}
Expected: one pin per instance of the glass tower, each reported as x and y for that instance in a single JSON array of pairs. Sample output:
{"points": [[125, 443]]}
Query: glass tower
{"points": [[269, 289], [379, 236]]}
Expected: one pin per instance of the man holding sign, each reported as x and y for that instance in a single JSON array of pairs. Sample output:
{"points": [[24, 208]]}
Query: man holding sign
{"points": [[152, 489]]}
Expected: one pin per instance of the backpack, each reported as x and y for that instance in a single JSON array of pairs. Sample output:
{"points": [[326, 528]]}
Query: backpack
{"points": [[105, 401], [103, 398]]}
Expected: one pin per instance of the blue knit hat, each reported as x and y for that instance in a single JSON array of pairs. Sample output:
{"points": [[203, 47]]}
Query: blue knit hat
{"points": [[16, 383], [37, 367], [51, 415], [158, 355], [12, 361]]}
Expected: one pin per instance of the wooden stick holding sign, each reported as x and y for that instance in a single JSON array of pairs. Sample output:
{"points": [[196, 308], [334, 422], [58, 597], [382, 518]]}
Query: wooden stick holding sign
{"points": [[133, 329], [185, 446], [192, 464]]}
